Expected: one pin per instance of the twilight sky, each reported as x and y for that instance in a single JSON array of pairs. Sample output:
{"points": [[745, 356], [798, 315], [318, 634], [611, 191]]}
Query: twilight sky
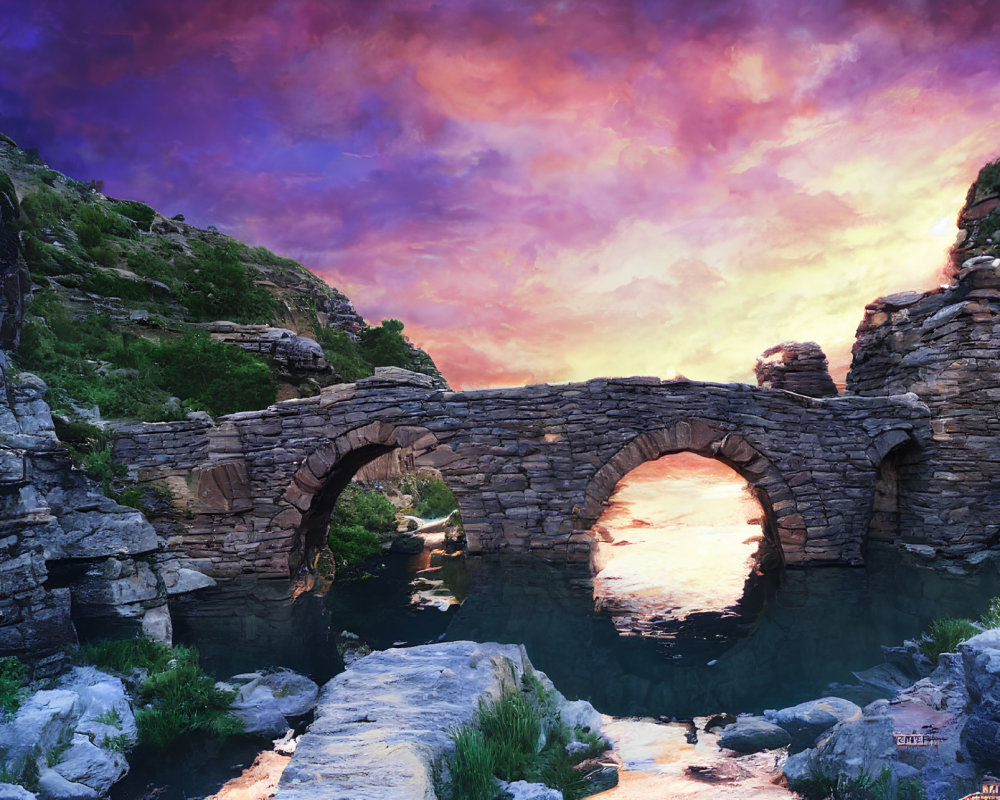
{"points": [[544, 190]]}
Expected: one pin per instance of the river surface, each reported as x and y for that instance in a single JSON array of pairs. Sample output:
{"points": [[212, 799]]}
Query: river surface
{"points": [[694, 632]]}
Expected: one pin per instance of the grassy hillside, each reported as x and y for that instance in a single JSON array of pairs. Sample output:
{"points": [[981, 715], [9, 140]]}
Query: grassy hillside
{"points": [[121, 293]]}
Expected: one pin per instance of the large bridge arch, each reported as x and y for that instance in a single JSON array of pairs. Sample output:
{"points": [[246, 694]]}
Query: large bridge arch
{"points": [[783, 525]]}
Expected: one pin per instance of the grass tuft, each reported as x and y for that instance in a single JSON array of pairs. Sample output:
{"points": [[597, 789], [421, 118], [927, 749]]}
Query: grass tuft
{"points": [[944, 635]]}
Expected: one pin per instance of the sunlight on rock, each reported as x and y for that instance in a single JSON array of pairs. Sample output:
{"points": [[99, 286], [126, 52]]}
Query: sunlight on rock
{"points": [[678, 536]]}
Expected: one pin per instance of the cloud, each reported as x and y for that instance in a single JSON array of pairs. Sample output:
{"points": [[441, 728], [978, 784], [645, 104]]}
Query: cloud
{"points": [[539, 190]]}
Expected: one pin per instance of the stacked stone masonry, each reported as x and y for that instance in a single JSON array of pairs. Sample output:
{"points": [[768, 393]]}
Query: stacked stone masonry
{"points": [[944, 346], [530, 466]]}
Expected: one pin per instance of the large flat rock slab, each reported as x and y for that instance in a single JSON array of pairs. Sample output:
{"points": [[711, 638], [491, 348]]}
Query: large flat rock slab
{"points": [[380, 725]]}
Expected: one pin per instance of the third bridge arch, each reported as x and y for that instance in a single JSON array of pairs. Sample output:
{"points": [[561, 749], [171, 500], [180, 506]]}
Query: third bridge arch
{"points": [[530, 466]]}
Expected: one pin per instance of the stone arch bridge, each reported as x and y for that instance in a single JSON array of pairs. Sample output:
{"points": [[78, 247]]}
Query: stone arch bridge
{"points": [[530, 466]]}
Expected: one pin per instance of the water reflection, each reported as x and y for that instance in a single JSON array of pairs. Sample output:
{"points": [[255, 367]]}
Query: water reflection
{"points": [[819, 627], [678, 537]]}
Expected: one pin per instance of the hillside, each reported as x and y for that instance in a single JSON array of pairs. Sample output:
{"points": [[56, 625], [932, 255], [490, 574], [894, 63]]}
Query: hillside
{"points": [[151, 318]]}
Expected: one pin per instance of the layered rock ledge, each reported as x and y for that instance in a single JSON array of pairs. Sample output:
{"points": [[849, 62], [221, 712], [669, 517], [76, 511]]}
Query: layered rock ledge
{"points": [[380, 725]]}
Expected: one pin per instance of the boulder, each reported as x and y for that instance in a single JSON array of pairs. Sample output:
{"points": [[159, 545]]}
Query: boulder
{"points": [[42, 722], [87, 764], [753, 734], [11, 791], [53, 786], [807, 721], [381, 724], [981, 662], [267, 702], [522, 790]]}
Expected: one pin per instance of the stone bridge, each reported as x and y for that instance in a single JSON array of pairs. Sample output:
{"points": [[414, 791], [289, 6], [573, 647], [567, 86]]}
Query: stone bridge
{"points": [[531, 467]]}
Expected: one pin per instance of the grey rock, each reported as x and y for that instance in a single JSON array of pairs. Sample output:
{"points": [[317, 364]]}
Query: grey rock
{"points": [[522, 790], [11, 791], [53, 786], [43, 721], [87, 764], [380, 724], [268, 701], [808, 721], [753, 734], [157, 625]]}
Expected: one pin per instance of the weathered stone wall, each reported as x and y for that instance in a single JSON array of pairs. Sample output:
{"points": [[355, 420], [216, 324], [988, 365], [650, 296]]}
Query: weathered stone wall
{"points": [[799, 367], [531, 466], [944, 346]]}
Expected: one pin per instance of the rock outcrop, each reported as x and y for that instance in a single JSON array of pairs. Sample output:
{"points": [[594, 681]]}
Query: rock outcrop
{"points": [[941, 731], [71, 736], [380, 725], [799, 367], [290, 353], [939, 491]]}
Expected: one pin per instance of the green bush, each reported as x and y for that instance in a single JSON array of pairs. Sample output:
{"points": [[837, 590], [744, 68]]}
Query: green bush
{"points": [[223, 378], [44, 208], [148, 264], [384, 345], [988, 180], [342, 353], [12, 681], [502, 741], [219, 286], [358, 520], [180, 698], [820, 786], [133, 210], [436, 500], [991, 616], [944, 635], [105, 220], [352, 545], [137, 375]]}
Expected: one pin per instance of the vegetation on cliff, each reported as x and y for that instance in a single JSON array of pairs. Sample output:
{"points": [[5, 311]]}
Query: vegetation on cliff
{"points": [[119, 293]]}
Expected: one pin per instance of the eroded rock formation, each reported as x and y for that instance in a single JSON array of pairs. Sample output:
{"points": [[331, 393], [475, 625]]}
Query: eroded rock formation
{"points": [[799, 367], [939, 494]]}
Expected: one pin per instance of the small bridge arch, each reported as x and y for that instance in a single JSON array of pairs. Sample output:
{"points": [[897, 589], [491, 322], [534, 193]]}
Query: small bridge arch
{"points": [[324, 473]]}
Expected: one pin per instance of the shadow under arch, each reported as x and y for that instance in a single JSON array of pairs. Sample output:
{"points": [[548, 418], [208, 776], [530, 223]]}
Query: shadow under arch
{"points": [[783, 526], [327, 470]]}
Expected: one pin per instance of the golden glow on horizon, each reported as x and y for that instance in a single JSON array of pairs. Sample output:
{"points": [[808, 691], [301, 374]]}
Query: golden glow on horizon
{"points": [[680, 540]]}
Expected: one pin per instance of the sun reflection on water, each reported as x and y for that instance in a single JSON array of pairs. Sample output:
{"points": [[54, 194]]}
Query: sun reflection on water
{"points": [[678, 536]]}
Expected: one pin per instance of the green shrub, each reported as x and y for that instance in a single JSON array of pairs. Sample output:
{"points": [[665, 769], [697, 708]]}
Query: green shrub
{"points": [[358, 520], [342, 353], [12, 681], [133, 210], [436, 500], [180, 698], [223, 378], [944, 635], [219, 286], [105, 220], [148, 264], [44, 208], [502, 741], [384, 345], [988, 180], [991, 616]]}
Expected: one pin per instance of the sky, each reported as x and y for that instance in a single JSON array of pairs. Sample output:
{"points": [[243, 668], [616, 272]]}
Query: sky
{"points": [[540, 191]]}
